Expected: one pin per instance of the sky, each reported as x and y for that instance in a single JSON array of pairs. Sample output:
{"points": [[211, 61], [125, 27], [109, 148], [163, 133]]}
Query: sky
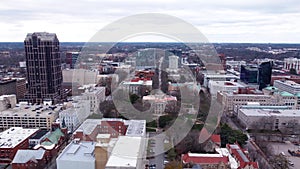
{"points": [[255, 21]]}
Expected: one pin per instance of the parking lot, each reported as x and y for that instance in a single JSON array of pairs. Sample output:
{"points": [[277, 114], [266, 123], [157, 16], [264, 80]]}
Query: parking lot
{"points": [[156, 147], [284, 147]]}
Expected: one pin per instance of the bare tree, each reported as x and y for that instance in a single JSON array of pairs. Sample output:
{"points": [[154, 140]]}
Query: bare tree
{"points": [[291, 127], [279, 162]]}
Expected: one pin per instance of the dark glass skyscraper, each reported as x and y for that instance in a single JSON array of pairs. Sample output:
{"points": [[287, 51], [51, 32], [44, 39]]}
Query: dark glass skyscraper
{"points": [[249, 74], [264, 74], [43, 63]]}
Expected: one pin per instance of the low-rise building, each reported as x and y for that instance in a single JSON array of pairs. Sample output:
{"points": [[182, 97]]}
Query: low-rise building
{"points": [[7, 101], [213, 76], [206, 161], [273, 118], [29, 116], [138, 86], [223, 86], [95, 95], [80, 76], [288, 86], [77, 155], [127, 153], [233, 101], [52, 142], [33, 159], [90, 128], [75, 113], [241, 157], [38, 137], [159, 102], [13, 139]]}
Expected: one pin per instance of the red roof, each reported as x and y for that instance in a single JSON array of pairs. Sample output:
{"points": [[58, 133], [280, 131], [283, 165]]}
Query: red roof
{"points": [[186, 158], [240, 156], [138, 79], [216, 138]]}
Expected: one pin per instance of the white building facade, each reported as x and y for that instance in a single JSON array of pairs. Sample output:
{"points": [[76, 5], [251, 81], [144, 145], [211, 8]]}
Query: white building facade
{"points": [[288, 86], [252, 118], [290, 63], [73, 116], [232, 102], [223, 86], [95, 95]]}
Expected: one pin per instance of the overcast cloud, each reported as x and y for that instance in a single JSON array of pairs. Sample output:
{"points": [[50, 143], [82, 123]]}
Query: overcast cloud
{"points": [[274, 21]]}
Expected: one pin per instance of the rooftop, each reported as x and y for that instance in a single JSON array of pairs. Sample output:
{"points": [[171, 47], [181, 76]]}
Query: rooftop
{"points": [[225, 152], [23, 156], [240, 155], [53, 137], [32, 110], [288, 82], [42, 36], [14, 136], [83, 151], [226, 83], [39, 134], [159, 98], [271, 112], [135, 127], [204, 158], [286, 94], [271, 88], [217, 75], [126, 152]]}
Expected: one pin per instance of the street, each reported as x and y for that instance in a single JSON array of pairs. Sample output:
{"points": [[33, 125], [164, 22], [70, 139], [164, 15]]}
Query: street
{"points": [[158, 149]]}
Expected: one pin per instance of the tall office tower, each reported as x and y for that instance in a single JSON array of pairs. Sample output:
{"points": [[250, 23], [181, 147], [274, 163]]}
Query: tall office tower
{"points": [[264, 74], [44, 74]]}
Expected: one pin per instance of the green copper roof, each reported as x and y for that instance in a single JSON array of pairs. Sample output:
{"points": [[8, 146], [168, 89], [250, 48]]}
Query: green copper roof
{"points": [[271, 88], [53, 137], [286, 94], [297, 94], [46, 143]]}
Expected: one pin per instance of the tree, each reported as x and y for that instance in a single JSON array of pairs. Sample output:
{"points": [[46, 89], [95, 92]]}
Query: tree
{"points": [[279, 162], [163, 121], [134, 98], [291, 127], [172, 108], [108, 109], [190, 144], [228, 135], [204, 106], [172, 154], [182, 79], [152, 124], [174, 165]]}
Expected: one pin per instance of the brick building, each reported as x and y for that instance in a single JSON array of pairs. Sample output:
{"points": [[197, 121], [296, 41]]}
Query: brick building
{"points": [[13, 139], [33, 159], [90, 128]]}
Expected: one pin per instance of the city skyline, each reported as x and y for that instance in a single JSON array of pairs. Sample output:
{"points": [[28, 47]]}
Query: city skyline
{"points": [[233, 21]]}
